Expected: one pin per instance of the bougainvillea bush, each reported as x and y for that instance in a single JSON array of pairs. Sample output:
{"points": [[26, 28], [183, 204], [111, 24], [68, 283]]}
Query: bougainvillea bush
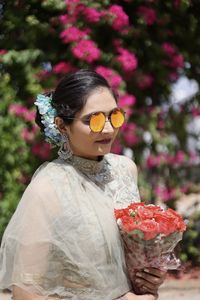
{"points": [[141, 47]]}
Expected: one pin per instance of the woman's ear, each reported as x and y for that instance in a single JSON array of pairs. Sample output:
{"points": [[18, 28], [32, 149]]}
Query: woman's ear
{"points": [[62, 127]]}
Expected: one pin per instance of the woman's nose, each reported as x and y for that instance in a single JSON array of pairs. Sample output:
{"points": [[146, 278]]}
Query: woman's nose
{"points": [[108, 128]]}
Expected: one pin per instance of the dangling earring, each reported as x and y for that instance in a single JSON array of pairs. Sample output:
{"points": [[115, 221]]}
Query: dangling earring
{"points": [[65, 151]]}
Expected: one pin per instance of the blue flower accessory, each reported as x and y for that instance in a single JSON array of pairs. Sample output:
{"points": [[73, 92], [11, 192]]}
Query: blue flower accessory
{"points": [[48, 113]]}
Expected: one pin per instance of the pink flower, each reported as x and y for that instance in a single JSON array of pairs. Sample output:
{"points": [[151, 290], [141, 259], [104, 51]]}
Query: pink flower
{"points": [[192, 156], [120, 18], [161, 124], [86, 50], [129, 134], [63, 19], [116, 147], [3, 51], [62, 68], [72, 34], [127, 60], [177, 61], [74, 2], [127, 100], [165, 193], [173, 76], [169, 159], [168, 48], [42, 150], [91, 15], [17, 109], [153, 161], [185, 188], [29, 116], [179, 157], [148, 14], [195, 111], [22, 111], [27, 135], [112, 76], [117, 43], [145, 81]]}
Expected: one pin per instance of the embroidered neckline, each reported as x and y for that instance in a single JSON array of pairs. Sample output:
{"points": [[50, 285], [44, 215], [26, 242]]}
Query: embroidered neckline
{"points": [[98, 171]]}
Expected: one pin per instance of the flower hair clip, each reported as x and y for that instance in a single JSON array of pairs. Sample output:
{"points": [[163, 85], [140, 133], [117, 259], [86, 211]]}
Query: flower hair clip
{"points": [[48, 113]]}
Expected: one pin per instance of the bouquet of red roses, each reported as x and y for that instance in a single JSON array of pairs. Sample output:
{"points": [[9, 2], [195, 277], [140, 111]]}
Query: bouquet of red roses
{"points": [[150, 235]]}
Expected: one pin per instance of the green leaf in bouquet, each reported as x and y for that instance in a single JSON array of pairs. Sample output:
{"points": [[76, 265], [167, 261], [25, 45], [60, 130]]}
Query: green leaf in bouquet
{"points": [[133, 214], [136, 233]]}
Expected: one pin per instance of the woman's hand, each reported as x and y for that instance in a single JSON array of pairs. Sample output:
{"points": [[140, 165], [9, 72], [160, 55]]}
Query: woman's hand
{"points": [[131, 296], [148, 281]]}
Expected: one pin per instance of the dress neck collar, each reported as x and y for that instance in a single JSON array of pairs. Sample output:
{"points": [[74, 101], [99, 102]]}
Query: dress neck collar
{"points": [[97, 170], [87, 166]]}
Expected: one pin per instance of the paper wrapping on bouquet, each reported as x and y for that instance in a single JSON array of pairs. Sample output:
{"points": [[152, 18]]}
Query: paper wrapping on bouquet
{"points": [[157, 252]]}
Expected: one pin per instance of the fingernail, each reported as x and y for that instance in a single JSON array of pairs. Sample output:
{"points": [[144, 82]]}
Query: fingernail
{"points": [[146, 270], [138, 281], [138, 274]]}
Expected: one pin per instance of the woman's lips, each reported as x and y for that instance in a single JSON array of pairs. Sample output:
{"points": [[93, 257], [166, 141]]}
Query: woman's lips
{"points": [[105, 141]]}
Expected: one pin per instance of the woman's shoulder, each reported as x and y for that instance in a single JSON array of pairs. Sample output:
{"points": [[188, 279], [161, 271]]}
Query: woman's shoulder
{"points": [[48, 166], [122, 163], [42, 189], [43, 179]]}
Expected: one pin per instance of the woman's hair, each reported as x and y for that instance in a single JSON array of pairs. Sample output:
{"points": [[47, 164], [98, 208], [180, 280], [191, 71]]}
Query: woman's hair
{"points": [[72, 92]]}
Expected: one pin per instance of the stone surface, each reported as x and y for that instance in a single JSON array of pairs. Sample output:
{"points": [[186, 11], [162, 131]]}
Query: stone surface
{"points": [[180, 289]]}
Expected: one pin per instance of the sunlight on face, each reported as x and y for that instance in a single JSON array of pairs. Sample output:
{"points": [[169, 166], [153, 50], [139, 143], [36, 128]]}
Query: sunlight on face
{"points": [[83, 141]]}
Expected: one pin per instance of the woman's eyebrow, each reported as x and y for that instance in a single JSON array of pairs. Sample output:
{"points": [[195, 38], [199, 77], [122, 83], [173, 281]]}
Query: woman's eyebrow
{"points": [[98, 111]]}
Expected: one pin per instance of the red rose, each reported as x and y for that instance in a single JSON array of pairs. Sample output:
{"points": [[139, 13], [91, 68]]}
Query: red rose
{"points": [[121, 212], [128, 223], [166, 224], [144, 213], [177, 219], [154, 208], [150, 229], [135, 205]]}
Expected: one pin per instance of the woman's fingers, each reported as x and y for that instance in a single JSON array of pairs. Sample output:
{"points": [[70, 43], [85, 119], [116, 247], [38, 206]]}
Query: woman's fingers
{"points": [[151, 278], [155, 272], [148, 280], [143, 284]]}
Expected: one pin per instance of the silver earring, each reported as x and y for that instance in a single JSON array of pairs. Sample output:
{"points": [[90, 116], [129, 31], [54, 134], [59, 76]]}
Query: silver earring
{"points": [[65, 151]]}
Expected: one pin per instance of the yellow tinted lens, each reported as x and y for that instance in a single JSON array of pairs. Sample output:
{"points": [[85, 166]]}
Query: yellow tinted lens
{"points": [[97, 122], [117, 118]]}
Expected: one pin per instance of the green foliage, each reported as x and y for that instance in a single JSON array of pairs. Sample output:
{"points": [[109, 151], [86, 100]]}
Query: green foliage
{"points": [[191, 240]]}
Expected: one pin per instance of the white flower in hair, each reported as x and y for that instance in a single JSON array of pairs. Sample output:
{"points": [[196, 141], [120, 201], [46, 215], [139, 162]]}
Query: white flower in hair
{"points": [[48, 113]]}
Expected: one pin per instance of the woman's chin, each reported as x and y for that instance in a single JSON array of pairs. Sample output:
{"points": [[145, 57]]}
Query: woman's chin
{"points": [[104, 149]]}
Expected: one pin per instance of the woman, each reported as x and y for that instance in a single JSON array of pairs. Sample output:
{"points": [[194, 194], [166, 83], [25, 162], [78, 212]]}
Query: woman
{"points": [[63, 241]]}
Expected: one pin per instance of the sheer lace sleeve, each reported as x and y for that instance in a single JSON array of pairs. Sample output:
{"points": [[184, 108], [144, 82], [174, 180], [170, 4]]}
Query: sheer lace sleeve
{"points": [[26, 243]]}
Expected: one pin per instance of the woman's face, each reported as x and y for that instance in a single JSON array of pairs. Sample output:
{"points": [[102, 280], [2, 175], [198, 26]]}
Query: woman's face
{"points": [[83, 141]]}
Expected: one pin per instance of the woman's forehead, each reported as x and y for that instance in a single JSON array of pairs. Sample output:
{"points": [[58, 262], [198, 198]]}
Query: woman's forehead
{"points": [[100, 100]]}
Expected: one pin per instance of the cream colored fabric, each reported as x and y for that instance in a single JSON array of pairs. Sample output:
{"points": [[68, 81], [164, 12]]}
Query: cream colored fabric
{"points": [[63, 239]]}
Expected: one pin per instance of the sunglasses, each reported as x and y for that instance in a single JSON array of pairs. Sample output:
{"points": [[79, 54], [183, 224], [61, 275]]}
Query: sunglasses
{"points": [[97, 120]]}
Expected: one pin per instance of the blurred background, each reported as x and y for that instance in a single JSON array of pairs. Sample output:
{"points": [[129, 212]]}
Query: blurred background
{"points": [[149, 52]]}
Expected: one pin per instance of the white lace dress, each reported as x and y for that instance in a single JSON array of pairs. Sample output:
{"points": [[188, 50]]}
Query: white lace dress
{"points": [[63, 240]]}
